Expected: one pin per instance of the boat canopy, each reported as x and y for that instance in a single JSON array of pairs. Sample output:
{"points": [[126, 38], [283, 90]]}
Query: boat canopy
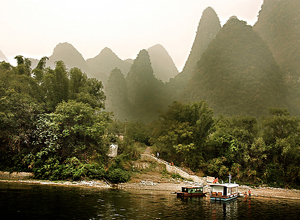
{"points": [[228, 185]]}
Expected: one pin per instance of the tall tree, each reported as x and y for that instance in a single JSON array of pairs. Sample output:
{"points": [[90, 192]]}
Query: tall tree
{"points": [[281, 133], [182, 132], [56, 85]]}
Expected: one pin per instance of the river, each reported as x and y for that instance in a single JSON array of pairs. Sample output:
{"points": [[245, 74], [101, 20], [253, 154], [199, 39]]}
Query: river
{"points": [[32, 201]]}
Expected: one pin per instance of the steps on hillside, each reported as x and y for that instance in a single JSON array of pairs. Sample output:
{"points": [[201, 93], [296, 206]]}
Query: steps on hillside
{"points": [[174, 169]]}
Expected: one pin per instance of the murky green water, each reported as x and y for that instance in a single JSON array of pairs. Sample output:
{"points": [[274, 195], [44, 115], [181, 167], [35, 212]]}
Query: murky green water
{"points": [[18, 201]]}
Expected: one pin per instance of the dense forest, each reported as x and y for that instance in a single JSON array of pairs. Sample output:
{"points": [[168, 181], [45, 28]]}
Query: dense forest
{"points": [[233, 108]]}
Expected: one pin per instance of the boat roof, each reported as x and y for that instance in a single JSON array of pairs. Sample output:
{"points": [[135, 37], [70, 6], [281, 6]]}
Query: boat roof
{"points": [[192, 187], [229, 185]]}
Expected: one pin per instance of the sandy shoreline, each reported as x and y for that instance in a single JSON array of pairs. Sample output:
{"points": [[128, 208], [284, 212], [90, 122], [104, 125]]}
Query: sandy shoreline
{"points": [[268, 192]]}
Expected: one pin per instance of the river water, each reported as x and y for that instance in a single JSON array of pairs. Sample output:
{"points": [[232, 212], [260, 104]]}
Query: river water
{"points": [[30, 201]]}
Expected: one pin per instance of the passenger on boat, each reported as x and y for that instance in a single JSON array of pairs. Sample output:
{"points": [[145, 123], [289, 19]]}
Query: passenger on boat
{"points": [[216, 180]]}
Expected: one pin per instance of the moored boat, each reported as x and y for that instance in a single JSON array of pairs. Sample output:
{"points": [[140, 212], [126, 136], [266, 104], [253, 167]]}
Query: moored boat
{"points": [[191, 191], [224, 191]]}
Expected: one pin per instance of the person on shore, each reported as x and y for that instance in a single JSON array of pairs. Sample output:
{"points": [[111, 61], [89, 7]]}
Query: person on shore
{"points": [[157, 155], [249, 193]]}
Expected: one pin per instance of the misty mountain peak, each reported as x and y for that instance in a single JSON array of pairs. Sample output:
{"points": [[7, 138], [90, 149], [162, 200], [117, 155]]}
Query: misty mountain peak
{"points": [[209, 26], [107, 52], [237, 74], [62, 49], [71, 57], [162, 63], [3, 57], [102, 64]]}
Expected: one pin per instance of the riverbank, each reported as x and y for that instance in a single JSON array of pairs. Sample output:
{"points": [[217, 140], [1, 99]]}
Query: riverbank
{"points": [[171, 187]]}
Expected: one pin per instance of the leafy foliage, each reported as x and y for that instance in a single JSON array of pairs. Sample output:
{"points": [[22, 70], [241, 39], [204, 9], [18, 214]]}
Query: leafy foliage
{"points": [[67, 140], [182, 132]]}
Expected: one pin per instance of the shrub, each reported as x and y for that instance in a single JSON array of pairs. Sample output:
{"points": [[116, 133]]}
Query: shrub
{"points": [[118, 176], [94, 171]]}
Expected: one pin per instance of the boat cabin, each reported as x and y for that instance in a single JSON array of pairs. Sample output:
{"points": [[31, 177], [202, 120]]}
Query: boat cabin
{"points": [[191, 191], [224, 191]]}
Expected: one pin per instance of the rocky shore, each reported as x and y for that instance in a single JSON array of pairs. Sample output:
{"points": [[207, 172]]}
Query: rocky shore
{"points": [[170, 187]]}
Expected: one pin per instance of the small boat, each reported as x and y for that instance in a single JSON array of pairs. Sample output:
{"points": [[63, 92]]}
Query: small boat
{"points": [[191, 191], [224, 191]]}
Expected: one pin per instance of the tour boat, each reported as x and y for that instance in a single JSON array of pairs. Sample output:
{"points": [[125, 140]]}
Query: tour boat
{"points": [[191, 191], [223, 191]]}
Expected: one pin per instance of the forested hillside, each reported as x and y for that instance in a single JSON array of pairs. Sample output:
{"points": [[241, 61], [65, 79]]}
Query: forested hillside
{"points": [[144, 90], [233, 109], [237, 74], [209, 26], [279, 25], [117, 96]]}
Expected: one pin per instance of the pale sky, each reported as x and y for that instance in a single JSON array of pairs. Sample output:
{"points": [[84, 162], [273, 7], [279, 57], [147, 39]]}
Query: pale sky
{"points": [[33, 28]]}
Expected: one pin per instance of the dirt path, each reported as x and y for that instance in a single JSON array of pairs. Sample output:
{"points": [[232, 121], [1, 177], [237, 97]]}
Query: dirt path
{"points": [[148, 150]]}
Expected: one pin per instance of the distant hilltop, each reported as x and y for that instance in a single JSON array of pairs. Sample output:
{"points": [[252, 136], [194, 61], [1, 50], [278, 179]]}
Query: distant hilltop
{"points": [[3, 57]]}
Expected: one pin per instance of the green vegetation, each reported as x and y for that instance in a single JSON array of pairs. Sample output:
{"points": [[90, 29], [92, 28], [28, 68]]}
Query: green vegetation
{"points": [[264, 151], [66, 134], [208, 28], [279, 25], [53, 122], [239, 115], [237, 74]]}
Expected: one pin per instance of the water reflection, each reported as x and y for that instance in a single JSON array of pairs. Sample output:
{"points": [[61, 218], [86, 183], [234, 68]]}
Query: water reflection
{"points": [[51, 202], [222, 210]]}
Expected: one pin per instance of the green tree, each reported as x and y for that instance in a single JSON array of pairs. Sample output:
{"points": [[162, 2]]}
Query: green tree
{"points": [[182, 133], [56, 85], [23, 67], [281, 134]]}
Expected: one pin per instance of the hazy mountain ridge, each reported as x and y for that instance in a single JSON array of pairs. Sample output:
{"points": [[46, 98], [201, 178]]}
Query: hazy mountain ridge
{"points": [[237, 74], [3, 57], [144, 89], [117, 96], [208, 27], [100, 66], [161, 62], [279, 25], [70, 55], [236, 69], [105, 62]]}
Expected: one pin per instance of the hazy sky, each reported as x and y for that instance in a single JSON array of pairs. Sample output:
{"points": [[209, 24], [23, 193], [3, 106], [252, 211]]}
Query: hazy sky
{"points": [[34, 27]]}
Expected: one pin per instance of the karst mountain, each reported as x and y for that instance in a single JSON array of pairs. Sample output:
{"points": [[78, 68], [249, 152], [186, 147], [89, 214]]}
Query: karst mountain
{"points": [[237, 74], [208, 27], [279, 25], [162, 63], [102, 64], [3, 57]]}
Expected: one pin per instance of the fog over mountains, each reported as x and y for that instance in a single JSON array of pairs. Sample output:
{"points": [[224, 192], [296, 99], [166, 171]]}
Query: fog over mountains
{"points": [[101, 65], [237, 69]]}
